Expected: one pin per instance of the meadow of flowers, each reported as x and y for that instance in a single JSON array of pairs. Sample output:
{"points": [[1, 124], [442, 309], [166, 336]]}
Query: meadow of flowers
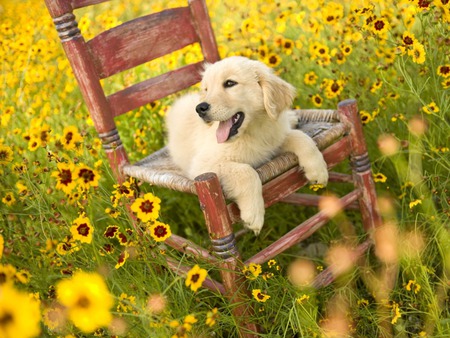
{"points": [[71, 263]]}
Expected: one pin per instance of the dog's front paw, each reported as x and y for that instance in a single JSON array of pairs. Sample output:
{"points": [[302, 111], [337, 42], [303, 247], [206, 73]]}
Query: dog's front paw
{"points": [[316, 172], [253, 217]]}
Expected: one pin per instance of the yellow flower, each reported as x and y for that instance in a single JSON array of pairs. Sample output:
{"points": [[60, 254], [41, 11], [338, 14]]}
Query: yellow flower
{"points": [[122, 259], [302, 299], [417, 53], [431, 108], [160, 231], [317, 100], [272, 60], [195, 277], [379, 177], [6, 154], [310, 78], [87, 299], [65, 178], [82, 229], [9, 199], [411, 284], [444, 71], [412, 204], [211, 317], [396, 313], [86, 177], [147, 207], [259, 296], [23, 276], [366, 117], [379, 26], [71, 138], [252, 271], [19, 314]]}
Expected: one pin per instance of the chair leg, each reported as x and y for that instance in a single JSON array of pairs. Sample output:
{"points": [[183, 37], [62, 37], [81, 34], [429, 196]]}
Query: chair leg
{"points": [[362, 172], [223, 241]]}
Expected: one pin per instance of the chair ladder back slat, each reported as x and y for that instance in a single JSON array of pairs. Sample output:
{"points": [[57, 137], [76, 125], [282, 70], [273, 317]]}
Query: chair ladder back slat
{"points": [[154, 89], [204, 30], [143, 39]]}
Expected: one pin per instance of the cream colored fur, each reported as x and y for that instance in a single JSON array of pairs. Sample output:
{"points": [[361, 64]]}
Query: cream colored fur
{"points": [[265, 100]]}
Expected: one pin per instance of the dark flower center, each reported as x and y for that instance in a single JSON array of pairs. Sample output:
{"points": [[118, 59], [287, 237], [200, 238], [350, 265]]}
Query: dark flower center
{"points": [[160, 231], [147, 207], [83, 229], [195, 278], [65, 177], [86, 175]]}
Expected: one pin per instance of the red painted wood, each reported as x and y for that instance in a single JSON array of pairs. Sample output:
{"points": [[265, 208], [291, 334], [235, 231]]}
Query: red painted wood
{"points": [[84, 3], [89, 84], [56, 8], [154, 89], [348, 112], [311, 200], [117, 159], [141, 40], [299, 233], [183, 245], [204, 30]]}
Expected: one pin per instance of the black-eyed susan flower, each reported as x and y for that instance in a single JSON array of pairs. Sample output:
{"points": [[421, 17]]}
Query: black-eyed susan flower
{"points": [[122, 259], [65, 177], [19, 314], [365, 116], [445, 84], [332, 88], [417, 53], [159, 231], [71, 138], [310, 78], [111, 231], [379, 26], [273, 60], [87, 299], [414, 203], [82, 229], [302, 299], [259, 296], [9, 199], [444, 71], [379, 177], [7, 274], [6, 154], [147, 207], [86, 177], [271, 263], [23, 276], [317, 100], [413, 286], [396, 314], [408, 39], [195, 278], [252, 271], [431, 108]]}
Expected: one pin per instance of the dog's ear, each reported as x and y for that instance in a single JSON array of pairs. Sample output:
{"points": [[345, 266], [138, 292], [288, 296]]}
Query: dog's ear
{"points": [[278, 94]]}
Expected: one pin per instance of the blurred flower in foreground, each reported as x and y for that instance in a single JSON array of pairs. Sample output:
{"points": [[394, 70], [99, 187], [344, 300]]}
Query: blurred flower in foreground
{"points": [[19, 314], [195, 277], [87, 299]]}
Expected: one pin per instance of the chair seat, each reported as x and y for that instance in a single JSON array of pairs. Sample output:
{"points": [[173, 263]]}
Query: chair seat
{"points": [[158, 168]]}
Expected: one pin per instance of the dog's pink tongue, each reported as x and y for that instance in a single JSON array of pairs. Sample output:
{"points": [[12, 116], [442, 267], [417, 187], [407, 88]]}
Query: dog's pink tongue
{"points": [[223, 131]]}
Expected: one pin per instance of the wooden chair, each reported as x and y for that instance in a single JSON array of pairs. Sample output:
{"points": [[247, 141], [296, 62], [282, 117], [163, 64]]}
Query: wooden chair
{"points": [[338, 133]]}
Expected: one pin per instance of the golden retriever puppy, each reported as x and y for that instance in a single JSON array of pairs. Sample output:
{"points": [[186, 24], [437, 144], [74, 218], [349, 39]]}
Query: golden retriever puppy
{"points": [[238, 121]]}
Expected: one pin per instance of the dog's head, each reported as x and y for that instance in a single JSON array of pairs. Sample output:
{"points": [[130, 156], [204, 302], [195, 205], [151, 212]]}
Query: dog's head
{"points": [[237, 90]]}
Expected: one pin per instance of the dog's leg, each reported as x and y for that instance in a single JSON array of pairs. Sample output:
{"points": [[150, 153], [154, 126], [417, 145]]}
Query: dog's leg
{"points": [[309, 156], [242, 184]]}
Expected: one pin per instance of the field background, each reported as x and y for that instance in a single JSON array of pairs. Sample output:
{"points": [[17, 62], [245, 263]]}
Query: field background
{"points": [[392, 56]]}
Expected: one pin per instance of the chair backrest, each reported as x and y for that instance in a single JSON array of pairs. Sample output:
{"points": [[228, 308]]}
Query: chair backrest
{"points": [[124, 47]]}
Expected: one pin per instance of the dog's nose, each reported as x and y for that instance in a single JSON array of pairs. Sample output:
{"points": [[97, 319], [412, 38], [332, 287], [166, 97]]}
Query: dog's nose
{"points": [[202, 109]]}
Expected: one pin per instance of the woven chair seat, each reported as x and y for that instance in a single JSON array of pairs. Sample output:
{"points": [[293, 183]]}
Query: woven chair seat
{"points": [[158, 169]]}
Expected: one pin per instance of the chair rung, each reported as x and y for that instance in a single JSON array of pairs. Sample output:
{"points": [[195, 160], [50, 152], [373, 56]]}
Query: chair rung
{"points": [[300, 232], [327, 276], [185, 246], [312, 201]]}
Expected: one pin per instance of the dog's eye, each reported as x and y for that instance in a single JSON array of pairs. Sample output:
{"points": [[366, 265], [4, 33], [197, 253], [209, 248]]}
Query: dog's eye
{"points": [[229, 83]]}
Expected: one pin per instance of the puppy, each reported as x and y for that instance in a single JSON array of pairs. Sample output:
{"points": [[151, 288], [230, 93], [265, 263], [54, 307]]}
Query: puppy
{"points": [[238, 121]]}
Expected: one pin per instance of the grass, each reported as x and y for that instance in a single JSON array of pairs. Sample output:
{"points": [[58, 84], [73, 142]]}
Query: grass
{"points": [[393, 58]]}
